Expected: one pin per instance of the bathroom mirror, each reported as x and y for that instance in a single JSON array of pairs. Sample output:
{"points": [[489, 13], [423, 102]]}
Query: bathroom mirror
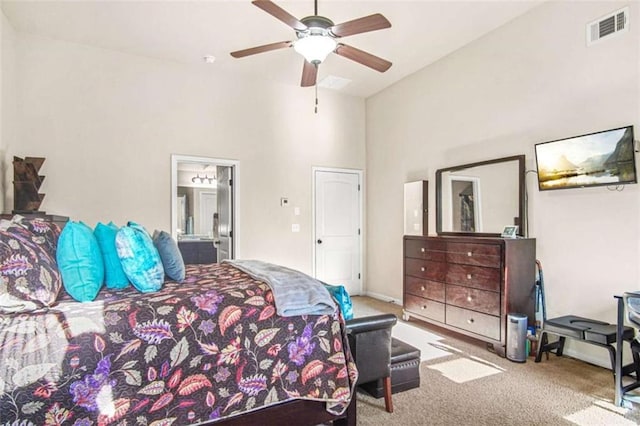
{"points": [[480, 199]]}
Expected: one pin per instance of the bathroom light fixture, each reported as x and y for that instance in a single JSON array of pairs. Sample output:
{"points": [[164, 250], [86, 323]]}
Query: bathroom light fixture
{"points": [[206, 179]]}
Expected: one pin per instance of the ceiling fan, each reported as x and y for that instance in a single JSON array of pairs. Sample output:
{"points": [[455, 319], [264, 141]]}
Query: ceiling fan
{"points": [[317, 37]]}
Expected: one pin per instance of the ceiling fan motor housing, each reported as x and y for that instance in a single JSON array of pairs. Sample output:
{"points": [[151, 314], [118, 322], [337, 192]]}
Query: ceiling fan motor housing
{"points": [[317, 22]]}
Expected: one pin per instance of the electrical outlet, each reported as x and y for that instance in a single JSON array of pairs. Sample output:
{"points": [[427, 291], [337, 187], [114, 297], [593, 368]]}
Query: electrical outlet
{"points": [[295, 227]]}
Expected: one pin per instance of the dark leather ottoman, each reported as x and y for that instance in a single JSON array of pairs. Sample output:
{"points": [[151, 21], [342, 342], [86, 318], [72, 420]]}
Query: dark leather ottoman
{"points": [[405, 370]]}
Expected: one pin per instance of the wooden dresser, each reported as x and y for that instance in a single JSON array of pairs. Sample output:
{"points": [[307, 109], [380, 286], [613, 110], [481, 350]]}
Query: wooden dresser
{"points": [[469, 284]]}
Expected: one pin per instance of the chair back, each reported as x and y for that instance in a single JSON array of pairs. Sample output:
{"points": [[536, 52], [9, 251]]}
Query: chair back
{"points": [[370, 342]]}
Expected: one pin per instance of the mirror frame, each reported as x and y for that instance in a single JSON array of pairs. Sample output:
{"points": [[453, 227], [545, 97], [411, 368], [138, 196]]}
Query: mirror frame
{"points": [[521, 196]]}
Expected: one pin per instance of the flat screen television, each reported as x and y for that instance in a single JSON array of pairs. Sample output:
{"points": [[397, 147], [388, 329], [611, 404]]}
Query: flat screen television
{"points": [[594, 159]]}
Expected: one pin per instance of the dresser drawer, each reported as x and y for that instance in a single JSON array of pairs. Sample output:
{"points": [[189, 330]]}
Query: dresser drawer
{"points": [[474, 254], [435, 271], [474, 276], [425, 249], [475, 322], [425, 307], [425, 288], [471, 298]]}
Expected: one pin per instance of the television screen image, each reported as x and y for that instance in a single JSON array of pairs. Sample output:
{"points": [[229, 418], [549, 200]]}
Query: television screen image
{"points": [[602, 158]]}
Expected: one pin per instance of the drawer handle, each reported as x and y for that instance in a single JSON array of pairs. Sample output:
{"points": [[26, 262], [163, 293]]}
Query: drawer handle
{"points": [[469, 298], [423, 307], [422, 269], [468, 276], [469, 254], [422, 249], [470, 321], [422, 288]]}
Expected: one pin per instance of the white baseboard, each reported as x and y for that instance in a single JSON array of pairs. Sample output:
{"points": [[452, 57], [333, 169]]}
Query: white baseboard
{"points": [[595, 360], [586, 352], [600, 361], [383, 298]]}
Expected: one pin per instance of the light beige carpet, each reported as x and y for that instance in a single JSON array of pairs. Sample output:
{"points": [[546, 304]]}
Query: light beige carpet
{"points": [[464, 384]]}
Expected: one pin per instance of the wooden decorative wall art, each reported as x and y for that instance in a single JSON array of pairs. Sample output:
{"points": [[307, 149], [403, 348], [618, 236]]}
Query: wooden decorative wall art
{"points": [[26, 183]]}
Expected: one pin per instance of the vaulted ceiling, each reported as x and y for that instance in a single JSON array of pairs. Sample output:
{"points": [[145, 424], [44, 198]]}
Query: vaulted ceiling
{"points": [[185, 31]]}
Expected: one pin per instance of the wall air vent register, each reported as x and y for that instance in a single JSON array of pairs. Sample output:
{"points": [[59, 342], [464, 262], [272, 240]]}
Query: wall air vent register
{"points": [[608, 26]]}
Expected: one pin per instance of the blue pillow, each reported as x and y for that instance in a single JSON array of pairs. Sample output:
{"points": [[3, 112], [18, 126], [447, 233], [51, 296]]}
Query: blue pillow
{"points": [[172, 261], [114, 275], [80, 262], [342, 297], [139, 258]]}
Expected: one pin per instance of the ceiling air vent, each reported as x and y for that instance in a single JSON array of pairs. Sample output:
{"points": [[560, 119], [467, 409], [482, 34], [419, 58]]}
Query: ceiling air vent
{"points": [[608, 26]]}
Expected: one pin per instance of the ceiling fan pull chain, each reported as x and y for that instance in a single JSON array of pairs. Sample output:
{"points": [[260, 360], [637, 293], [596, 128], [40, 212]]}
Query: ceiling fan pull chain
{"points": [[316, 109]]}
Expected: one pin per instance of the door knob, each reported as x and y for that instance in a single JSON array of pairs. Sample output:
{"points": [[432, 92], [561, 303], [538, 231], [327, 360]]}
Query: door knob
{"points": [[319, 241]]}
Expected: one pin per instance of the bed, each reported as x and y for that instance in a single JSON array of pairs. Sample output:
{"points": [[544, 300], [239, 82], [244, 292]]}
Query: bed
{"points": [[208, 350]]}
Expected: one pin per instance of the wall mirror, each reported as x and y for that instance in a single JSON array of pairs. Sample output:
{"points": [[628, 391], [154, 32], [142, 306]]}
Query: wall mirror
{"points": [[480, 199], [203, 202]]}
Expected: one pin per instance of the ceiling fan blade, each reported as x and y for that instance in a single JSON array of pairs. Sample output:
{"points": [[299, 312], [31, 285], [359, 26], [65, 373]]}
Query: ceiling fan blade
{"points": [[361, 25], [281, 14], [261, 49], [362, 57], [309, 74]]}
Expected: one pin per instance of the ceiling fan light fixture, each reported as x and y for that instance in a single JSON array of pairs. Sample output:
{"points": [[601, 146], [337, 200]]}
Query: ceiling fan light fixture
{"points": [[315, 48]]}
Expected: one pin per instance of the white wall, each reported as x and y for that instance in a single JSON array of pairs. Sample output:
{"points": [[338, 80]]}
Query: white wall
{"points": [[530, 81], [7, 99], [108, 122]]}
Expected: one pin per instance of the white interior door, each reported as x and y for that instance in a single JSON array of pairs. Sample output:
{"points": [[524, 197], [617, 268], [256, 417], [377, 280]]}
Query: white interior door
{"points": [[224, 220], [338, 228]]}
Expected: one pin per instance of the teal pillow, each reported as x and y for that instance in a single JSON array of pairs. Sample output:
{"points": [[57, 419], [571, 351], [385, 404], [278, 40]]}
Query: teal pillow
{"points": [[172, 261], [80, 261], [114, 275], [139, 258]]}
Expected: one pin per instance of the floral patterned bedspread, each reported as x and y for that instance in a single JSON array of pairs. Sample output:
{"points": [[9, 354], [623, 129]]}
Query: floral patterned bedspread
{"points": [[206, 349]]}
